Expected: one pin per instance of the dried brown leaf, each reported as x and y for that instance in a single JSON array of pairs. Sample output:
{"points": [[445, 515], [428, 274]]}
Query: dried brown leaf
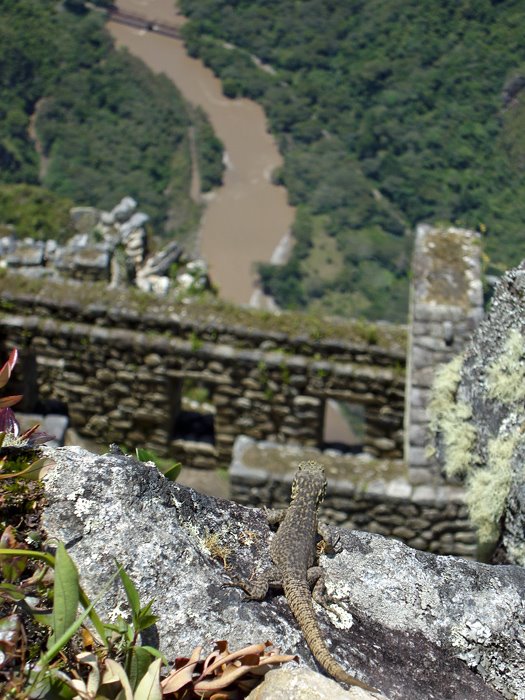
{"points": [[180, 677]]}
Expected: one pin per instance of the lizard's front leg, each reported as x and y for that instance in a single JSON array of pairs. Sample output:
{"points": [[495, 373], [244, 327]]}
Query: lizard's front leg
{"points": [[258, 588], [331, 543], [274, 516], [315, 578]]}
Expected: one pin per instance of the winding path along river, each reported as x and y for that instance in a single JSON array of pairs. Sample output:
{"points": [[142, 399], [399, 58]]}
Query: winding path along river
{"points": [[248, 218]]}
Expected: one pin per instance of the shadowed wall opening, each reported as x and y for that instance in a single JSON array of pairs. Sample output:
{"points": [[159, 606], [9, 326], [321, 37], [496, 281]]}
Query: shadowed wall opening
{"points": [[344, 426], [195, 417]]}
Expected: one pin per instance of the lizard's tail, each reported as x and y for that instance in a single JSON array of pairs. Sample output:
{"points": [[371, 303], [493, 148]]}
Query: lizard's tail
{"points": [[299, 598]]}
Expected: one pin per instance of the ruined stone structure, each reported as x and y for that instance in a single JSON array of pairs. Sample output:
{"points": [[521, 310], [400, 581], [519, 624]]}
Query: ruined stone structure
{"points": [[188, 380], [108, 246], [122, 376], [446, 306]]}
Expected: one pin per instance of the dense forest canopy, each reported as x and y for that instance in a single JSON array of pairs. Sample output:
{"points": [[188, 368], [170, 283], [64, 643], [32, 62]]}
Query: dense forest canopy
{"points": [[108, 126], [388, 113]]}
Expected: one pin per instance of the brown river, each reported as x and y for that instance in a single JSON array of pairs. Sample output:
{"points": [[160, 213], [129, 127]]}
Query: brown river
{"points": [[247, 218]]}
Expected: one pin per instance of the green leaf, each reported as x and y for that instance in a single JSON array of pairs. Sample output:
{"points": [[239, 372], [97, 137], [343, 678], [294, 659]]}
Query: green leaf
{"points": [[43, 556], [95, 619], [138, 662], [149, 687], [145, 455], [65, 594], [131, 592], [146, 621], [9, 591], [44, 684], [68, 634], [172, 471], [155, 652]]}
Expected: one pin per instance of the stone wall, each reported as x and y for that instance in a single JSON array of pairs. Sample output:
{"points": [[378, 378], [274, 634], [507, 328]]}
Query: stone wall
{"points": [[122, 375], [186, 379], [446, 306], [362, 494]]}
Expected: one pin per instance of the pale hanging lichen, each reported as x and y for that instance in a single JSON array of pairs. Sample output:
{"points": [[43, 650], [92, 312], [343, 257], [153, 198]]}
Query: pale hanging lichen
{"points": [[451, 420], [505, 377], [488, 487]]}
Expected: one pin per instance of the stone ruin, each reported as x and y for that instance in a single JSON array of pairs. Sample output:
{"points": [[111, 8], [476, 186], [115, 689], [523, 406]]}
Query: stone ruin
{"points": [[124, 376], [111, 247]]}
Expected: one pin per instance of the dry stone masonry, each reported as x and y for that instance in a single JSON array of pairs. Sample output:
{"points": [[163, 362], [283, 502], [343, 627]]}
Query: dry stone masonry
{"points": [[187, 384], [131, 378], [111, 247], [446, 306], [364, 493]]}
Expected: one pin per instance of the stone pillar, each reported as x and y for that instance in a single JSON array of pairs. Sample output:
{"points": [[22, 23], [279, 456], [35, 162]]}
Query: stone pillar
{"points": [[446, 305]]}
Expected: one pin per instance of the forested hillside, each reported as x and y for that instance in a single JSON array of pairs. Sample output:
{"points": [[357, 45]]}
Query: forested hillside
{"points": [[388, 113], [107, 126]]}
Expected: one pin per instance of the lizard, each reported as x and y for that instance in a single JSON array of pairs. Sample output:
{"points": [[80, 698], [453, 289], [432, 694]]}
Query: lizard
{"points": [[293, 551]]}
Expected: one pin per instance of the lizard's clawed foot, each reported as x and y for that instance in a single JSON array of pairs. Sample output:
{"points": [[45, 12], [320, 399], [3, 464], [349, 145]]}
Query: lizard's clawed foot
{"points": [[236, 583]]}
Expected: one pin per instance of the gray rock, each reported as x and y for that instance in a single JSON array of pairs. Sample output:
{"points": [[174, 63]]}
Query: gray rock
{"points": [[26, 253], [413, 624], [478, 411], [92, 261], [160, 263], [136, 221], [107, 218], [303, 684], [123, 210], [8, 243]]}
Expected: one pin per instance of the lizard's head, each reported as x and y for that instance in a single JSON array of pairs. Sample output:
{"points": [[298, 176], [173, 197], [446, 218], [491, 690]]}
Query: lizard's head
{"points": [[310, 478]]}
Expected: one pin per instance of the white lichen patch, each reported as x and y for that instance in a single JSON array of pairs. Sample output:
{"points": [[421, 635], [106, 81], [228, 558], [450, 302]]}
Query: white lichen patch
{"points": [[83, 507], [339, 616], [488, 488], [117, 612], [505, 377], [452, 419]]}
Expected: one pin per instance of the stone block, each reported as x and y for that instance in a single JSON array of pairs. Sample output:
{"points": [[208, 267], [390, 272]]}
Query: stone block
{"points": [[84, 219]]}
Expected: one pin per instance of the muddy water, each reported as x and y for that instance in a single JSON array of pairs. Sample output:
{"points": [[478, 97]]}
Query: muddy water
{"points": [[247, 218]]}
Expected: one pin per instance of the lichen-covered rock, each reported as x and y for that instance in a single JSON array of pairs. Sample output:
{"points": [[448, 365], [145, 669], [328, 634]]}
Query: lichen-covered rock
{"points": [[413, 625], [478, 409]]}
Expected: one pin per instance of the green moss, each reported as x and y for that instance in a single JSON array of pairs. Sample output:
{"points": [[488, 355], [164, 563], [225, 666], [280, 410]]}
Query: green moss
{"points": [[505, 377], [207, 310], [488, 488], [448, 247], [451, 419]]}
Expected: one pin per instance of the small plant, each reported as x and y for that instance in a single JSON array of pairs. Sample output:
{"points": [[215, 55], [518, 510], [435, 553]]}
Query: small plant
{"points": [[46, 649], [10, 434], [195, 342], [212, 542], [115, 658], [170, 469]]}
